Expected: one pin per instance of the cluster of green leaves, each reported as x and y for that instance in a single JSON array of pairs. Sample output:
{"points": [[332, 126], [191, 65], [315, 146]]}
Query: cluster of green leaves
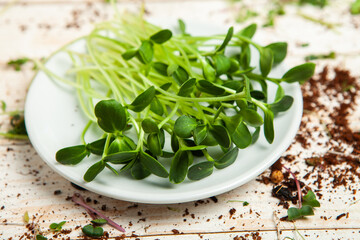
{"points": [[56, 227], [192, 92], [309, 202]]}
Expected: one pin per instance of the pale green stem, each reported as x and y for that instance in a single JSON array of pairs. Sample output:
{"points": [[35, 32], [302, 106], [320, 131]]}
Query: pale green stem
{"points": [[84, 132], [172, 113]]}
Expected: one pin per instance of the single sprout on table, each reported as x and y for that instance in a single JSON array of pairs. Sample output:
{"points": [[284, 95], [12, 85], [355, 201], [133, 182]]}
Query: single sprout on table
{"points": [[194, 91]]}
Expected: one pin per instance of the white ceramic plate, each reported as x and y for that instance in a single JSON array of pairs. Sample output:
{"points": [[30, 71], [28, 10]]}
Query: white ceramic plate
{"points": [[54, 120]]}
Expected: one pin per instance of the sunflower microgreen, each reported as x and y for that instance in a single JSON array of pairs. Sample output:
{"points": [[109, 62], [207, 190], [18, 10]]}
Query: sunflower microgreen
{"points": [[193, 92]]}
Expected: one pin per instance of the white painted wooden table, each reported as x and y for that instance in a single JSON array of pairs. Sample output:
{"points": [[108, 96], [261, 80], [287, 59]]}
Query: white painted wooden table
{"points": [[35, 28]]}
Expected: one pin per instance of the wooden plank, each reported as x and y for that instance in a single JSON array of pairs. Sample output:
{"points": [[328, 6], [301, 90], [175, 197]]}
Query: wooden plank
{"points": [[28, 184]]}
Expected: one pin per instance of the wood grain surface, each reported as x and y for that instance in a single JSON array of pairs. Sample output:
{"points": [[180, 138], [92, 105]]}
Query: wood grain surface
{"points": [[35, 28]]}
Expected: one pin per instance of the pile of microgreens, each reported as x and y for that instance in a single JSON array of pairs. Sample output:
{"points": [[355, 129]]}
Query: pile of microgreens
{"points": [[195, 91]]}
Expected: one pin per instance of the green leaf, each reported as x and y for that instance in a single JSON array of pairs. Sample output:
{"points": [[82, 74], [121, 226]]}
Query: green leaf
{"points": [[138, 171], [306, 210], [200, 170], [111, 115], [259, 95], [187, 87], [242, 103], [162, 137], [129, 142], [184, 126], [99, 221], [116, 146], [355, 7], [153, 143], [40, 237], [200, 133], [269, 126], [96, 147], [310, 199], [248, 31], [299, 73], [165, 87], [94, 170], [209, 87], [241, 137], [226, 40], [153, 165], [130, 53], [251, 117], [209, 72], [166, 154], [57, 226], [234, 65], [179, 167], [279, 50], [157, 107], [245, 56], [143, 100], [161, 36], [91, 231], [232, 122], [264, 88], [171, 69], [146, 52], [282, 105], [210, 139], [121, 157], [280, 93], [180, 75], [227, 159], [222, 64], [119, 145], [221, 135], [174, 142], [149, 126], [182, 26], [255, 135], [160, 68], [71, 155], [293, 213], [266, 61]]}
